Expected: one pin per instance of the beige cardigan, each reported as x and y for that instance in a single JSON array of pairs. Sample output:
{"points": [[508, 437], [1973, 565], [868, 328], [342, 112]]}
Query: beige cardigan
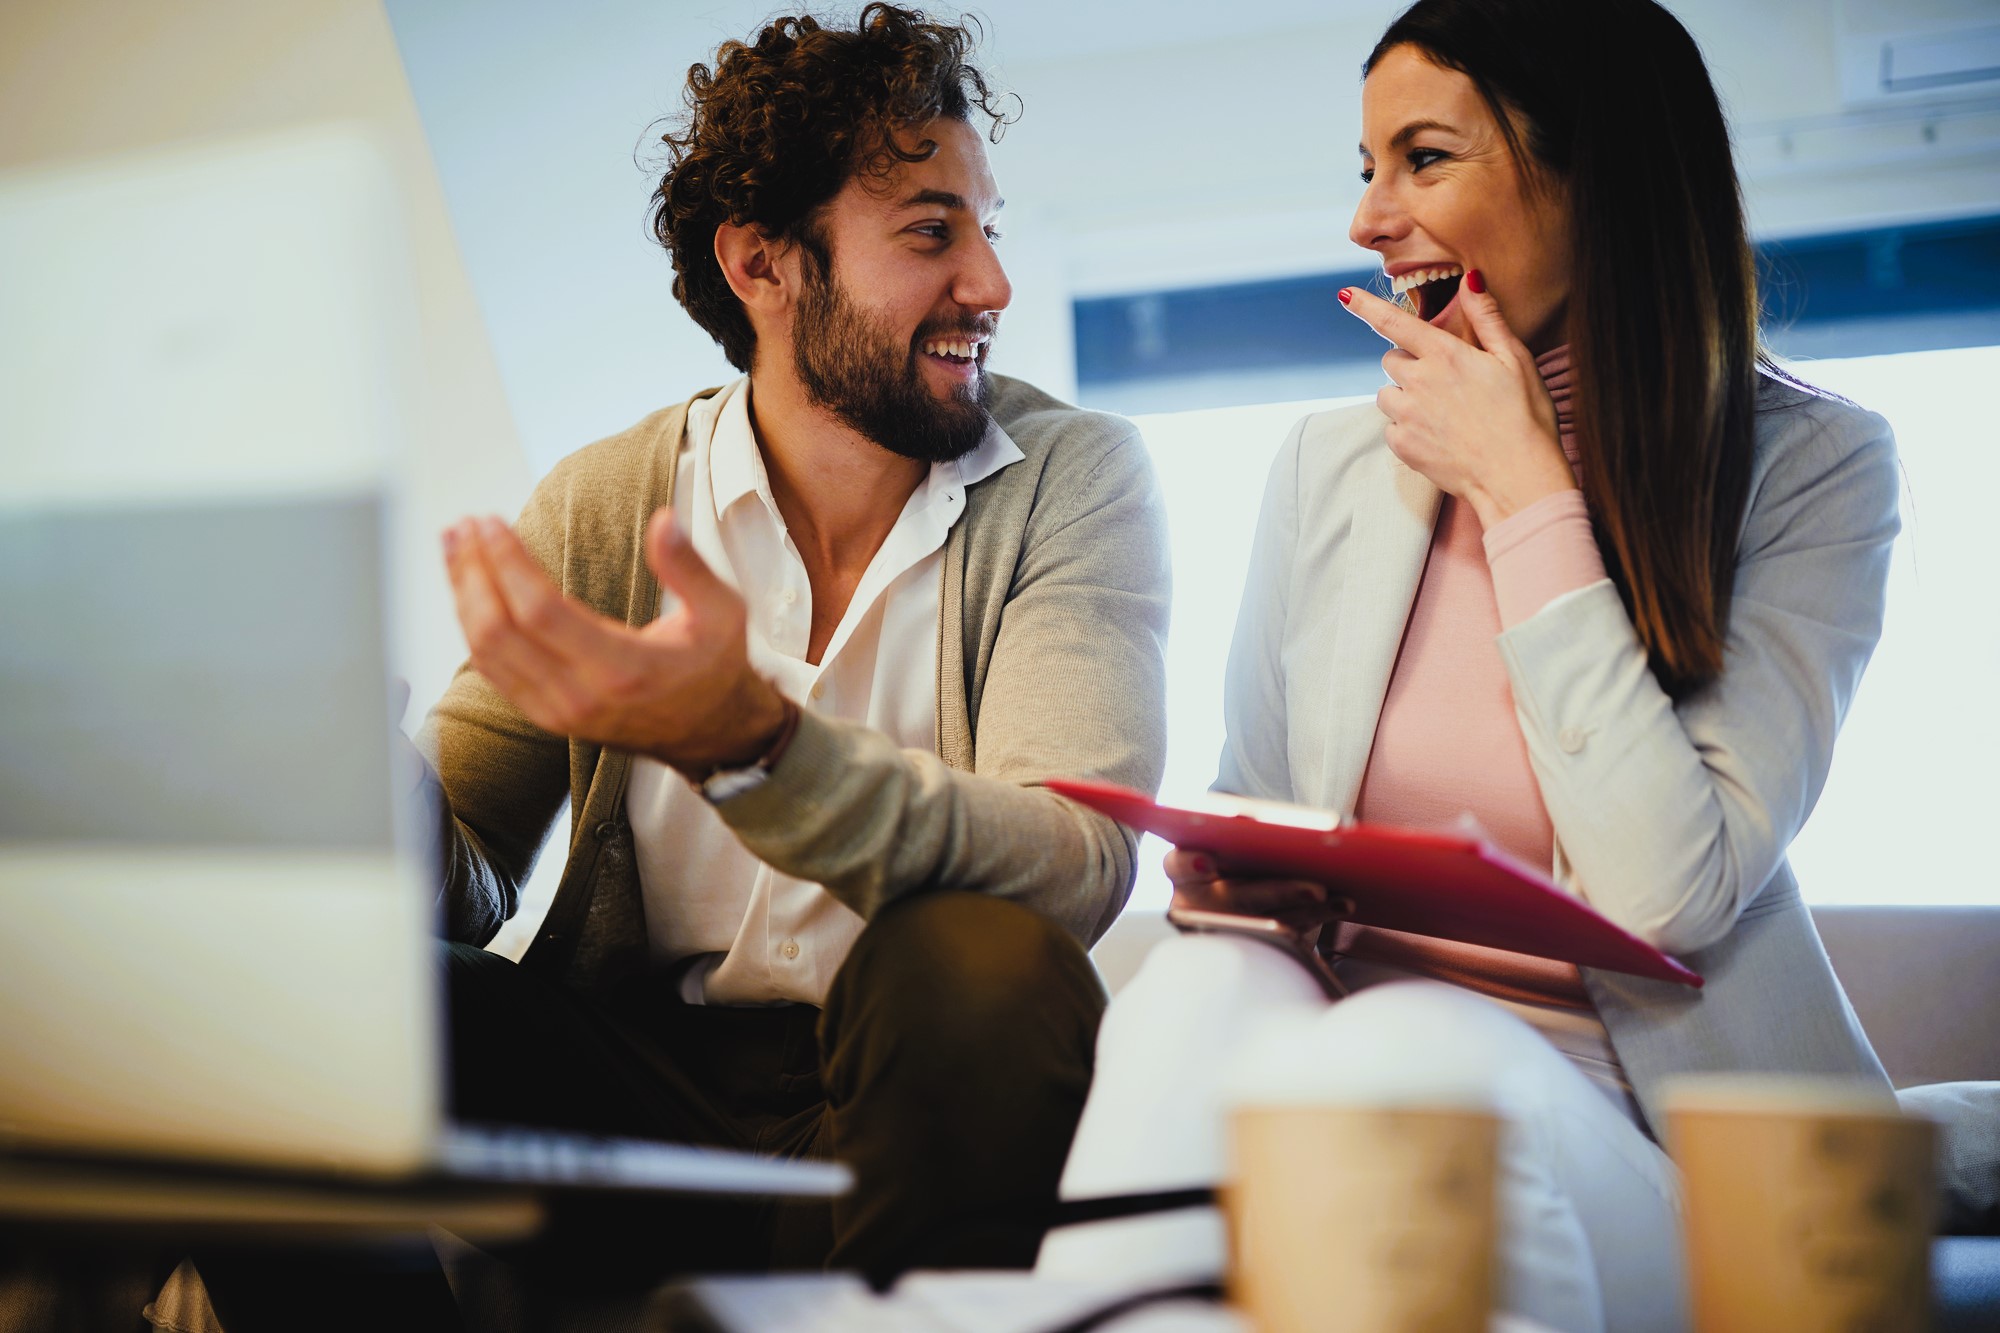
{"points": [[1050, 662]]}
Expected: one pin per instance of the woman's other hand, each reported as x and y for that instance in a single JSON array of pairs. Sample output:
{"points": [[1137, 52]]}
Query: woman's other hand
{"points": [[1299, 904], [1476, 421]]}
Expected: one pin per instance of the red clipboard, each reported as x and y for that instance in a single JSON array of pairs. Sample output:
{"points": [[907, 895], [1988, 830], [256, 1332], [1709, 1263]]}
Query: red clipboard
{"points": [[1447, 885]]}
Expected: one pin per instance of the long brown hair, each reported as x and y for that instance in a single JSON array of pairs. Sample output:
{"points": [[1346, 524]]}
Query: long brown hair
{"points": [[1610, 100]]}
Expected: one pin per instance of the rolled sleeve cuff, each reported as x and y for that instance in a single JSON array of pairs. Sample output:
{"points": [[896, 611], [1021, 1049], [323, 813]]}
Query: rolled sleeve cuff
{"points": [[1540, 554]]}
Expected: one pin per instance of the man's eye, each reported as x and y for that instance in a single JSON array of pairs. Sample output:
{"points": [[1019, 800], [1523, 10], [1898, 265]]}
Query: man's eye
{"points": [[936, 231]]}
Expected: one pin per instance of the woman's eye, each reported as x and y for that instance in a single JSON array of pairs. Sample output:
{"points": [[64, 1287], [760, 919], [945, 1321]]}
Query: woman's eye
{"points": [[1367, 175], [1423, 157]]}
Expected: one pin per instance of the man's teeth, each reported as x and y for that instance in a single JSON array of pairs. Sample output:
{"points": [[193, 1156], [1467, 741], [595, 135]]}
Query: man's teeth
{"points": [[1403, 282], [961, 348]]}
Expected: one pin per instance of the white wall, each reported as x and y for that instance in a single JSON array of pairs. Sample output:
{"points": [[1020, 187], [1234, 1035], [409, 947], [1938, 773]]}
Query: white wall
{"points": [[1163, 144]]}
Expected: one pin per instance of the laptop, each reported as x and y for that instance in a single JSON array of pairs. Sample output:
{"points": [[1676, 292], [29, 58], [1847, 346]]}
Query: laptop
{"points": [[220, 942]]}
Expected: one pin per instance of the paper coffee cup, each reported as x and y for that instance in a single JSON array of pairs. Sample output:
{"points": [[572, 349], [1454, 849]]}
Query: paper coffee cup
{"points": [[1378, 1218], [1808, 1204]]}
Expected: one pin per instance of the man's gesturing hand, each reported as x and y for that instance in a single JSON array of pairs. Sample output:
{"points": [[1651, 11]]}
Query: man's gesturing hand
{"points": [[681, 689]]}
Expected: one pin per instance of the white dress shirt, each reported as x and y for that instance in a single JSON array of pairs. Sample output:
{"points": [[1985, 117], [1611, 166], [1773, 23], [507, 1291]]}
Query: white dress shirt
{"points": [[758, 936]]}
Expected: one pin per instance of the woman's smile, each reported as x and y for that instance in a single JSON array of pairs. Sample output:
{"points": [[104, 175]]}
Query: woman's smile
{"points": [[1445, 195]]}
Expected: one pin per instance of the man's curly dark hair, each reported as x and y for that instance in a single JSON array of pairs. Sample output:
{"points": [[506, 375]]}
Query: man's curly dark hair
{"points": [[778, 126]]}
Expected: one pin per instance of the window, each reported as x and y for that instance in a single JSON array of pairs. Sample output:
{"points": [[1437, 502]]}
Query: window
{"points": [[1913, 789]]}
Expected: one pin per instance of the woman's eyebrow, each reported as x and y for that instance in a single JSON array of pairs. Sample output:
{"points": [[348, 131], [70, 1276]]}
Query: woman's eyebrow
{"points": [[1409, 132]]}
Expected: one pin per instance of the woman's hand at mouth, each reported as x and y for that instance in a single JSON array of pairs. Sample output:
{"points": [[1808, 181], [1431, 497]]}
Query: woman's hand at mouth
{"points": [[1475, 420]]}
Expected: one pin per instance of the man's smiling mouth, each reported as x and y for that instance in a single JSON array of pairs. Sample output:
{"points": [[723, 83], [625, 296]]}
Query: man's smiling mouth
{"points": [[1429, 289], [957, 351]]}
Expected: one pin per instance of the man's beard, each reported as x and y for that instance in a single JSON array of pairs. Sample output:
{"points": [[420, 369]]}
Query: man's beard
{"points": [[851, 366]]}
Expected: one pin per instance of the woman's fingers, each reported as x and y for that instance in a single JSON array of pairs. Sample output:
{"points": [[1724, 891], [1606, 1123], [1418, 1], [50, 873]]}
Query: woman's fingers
{"points": [[1251, 897], [1399, 366], [1482, 312], [1185, 866], [1396, 324], [1270, 897]]}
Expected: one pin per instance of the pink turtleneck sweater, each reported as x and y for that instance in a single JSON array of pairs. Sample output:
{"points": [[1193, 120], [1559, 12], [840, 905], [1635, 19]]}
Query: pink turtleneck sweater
{"points": [[1448, 744]]}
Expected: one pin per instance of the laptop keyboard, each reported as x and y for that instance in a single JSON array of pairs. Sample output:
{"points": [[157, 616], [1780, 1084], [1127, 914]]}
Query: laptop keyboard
{"points": [[516, 1155]]}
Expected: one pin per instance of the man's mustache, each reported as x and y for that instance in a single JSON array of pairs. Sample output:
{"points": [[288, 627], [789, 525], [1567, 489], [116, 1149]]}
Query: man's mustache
{"points": [[978, 328]]}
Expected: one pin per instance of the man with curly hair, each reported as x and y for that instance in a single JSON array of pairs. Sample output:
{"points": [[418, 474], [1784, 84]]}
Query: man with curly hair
{"points": [[798, 652]]}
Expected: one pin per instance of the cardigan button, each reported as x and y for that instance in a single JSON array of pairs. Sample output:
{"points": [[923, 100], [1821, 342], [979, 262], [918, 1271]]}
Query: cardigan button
{"points": [[1570, 739], [609, 830]]}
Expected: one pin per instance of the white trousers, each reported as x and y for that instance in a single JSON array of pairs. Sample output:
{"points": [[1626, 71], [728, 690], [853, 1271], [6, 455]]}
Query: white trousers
{"points": [[1589, 1206]]}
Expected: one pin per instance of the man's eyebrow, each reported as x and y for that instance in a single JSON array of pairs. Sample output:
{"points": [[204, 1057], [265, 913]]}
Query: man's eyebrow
{"points": [[1409, 132], [945, 199]]}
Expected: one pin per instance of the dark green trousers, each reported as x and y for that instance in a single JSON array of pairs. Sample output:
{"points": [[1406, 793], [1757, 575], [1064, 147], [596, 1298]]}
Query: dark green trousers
{"points": [[948, 1069]]}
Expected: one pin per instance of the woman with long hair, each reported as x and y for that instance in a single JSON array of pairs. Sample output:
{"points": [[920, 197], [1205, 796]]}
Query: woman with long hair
{"points": [[1591, 569]]}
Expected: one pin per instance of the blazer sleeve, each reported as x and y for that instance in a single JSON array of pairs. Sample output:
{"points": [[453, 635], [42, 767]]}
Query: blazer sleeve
{"points": [[1673, 818], [1075, 687], [1256, 757]]}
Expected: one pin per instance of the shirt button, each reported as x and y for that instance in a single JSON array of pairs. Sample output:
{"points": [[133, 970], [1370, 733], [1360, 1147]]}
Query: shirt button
{"points": [[1570, 740], [790, 948], [819, 691], [788, 596]]}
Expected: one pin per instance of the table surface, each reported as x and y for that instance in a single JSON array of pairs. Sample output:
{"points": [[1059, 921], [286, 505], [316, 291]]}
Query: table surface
{"points": [[134, 1197]]}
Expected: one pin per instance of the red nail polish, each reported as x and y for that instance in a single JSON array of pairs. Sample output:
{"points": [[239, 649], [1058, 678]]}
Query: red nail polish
{"points": [[1346, 296], [1477, 281]]}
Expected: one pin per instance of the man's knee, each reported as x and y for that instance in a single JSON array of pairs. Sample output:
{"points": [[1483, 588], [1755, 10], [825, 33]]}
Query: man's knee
{"points": [[961, 963]]}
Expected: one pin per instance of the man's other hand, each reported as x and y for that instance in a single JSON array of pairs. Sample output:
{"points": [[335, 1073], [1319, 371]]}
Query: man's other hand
{"points": [[680, 689]]}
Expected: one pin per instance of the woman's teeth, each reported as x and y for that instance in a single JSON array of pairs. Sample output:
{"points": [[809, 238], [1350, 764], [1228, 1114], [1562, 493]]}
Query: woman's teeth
{"points": [[1418, 277], [1430, 289], [959, 349]]}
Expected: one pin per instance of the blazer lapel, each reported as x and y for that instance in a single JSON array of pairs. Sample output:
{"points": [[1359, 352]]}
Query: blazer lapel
{"points": [[1395, 515]]}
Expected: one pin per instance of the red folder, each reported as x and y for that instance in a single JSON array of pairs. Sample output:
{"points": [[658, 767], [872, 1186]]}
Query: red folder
{"points": [[1449, 885]]}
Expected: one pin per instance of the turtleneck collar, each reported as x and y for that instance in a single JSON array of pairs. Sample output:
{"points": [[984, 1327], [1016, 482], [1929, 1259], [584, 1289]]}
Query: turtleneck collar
{"points": [[1555, 369]]}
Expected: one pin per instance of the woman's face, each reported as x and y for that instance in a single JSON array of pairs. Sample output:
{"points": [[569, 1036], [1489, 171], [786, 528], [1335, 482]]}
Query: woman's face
{"points": [[1444, 196]]}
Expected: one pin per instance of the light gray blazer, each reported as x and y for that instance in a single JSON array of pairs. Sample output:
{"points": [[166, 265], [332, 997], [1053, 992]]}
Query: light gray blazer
{"points": [[1671, 820]]}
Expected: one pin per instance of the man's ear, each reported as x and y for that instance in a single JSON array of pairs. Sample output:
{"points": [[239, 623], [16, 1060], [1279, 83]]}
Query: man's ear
{"points": [[758, 268]]}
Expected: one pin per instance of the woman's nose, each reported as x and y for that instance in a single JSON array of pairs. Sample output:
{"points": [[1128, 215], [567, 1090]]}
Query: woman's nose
{"points": [[1377, 220]]}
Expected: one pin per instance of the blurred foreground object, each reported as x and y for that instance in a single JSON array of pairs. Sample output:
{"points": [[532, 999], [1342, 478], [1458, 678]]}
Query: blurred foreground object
{"points": [[1809, 1204]]}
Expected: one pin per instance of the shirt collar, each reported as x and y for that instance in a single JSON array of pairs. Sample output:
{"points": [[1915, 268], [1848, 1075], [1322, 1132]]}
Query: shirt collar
{"points": [[736, 466]]}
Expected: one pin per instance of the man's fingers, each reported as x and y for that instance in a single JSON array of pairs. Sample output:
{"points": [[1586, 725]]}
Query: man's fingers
{"points": [[511, 660], [1482, 312], [1396, 324], [535, 605]]}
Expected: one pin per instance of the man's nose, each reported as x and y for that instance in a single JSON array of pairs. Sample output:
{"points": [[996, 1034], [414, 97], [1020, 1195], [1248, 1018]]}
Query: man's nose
{"points": [[982, 283]]}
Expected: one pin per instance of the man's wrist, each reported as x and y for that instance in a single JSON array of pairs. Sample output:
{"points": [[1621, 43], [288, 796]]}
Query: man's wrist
{"points": [[755, 726]]}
